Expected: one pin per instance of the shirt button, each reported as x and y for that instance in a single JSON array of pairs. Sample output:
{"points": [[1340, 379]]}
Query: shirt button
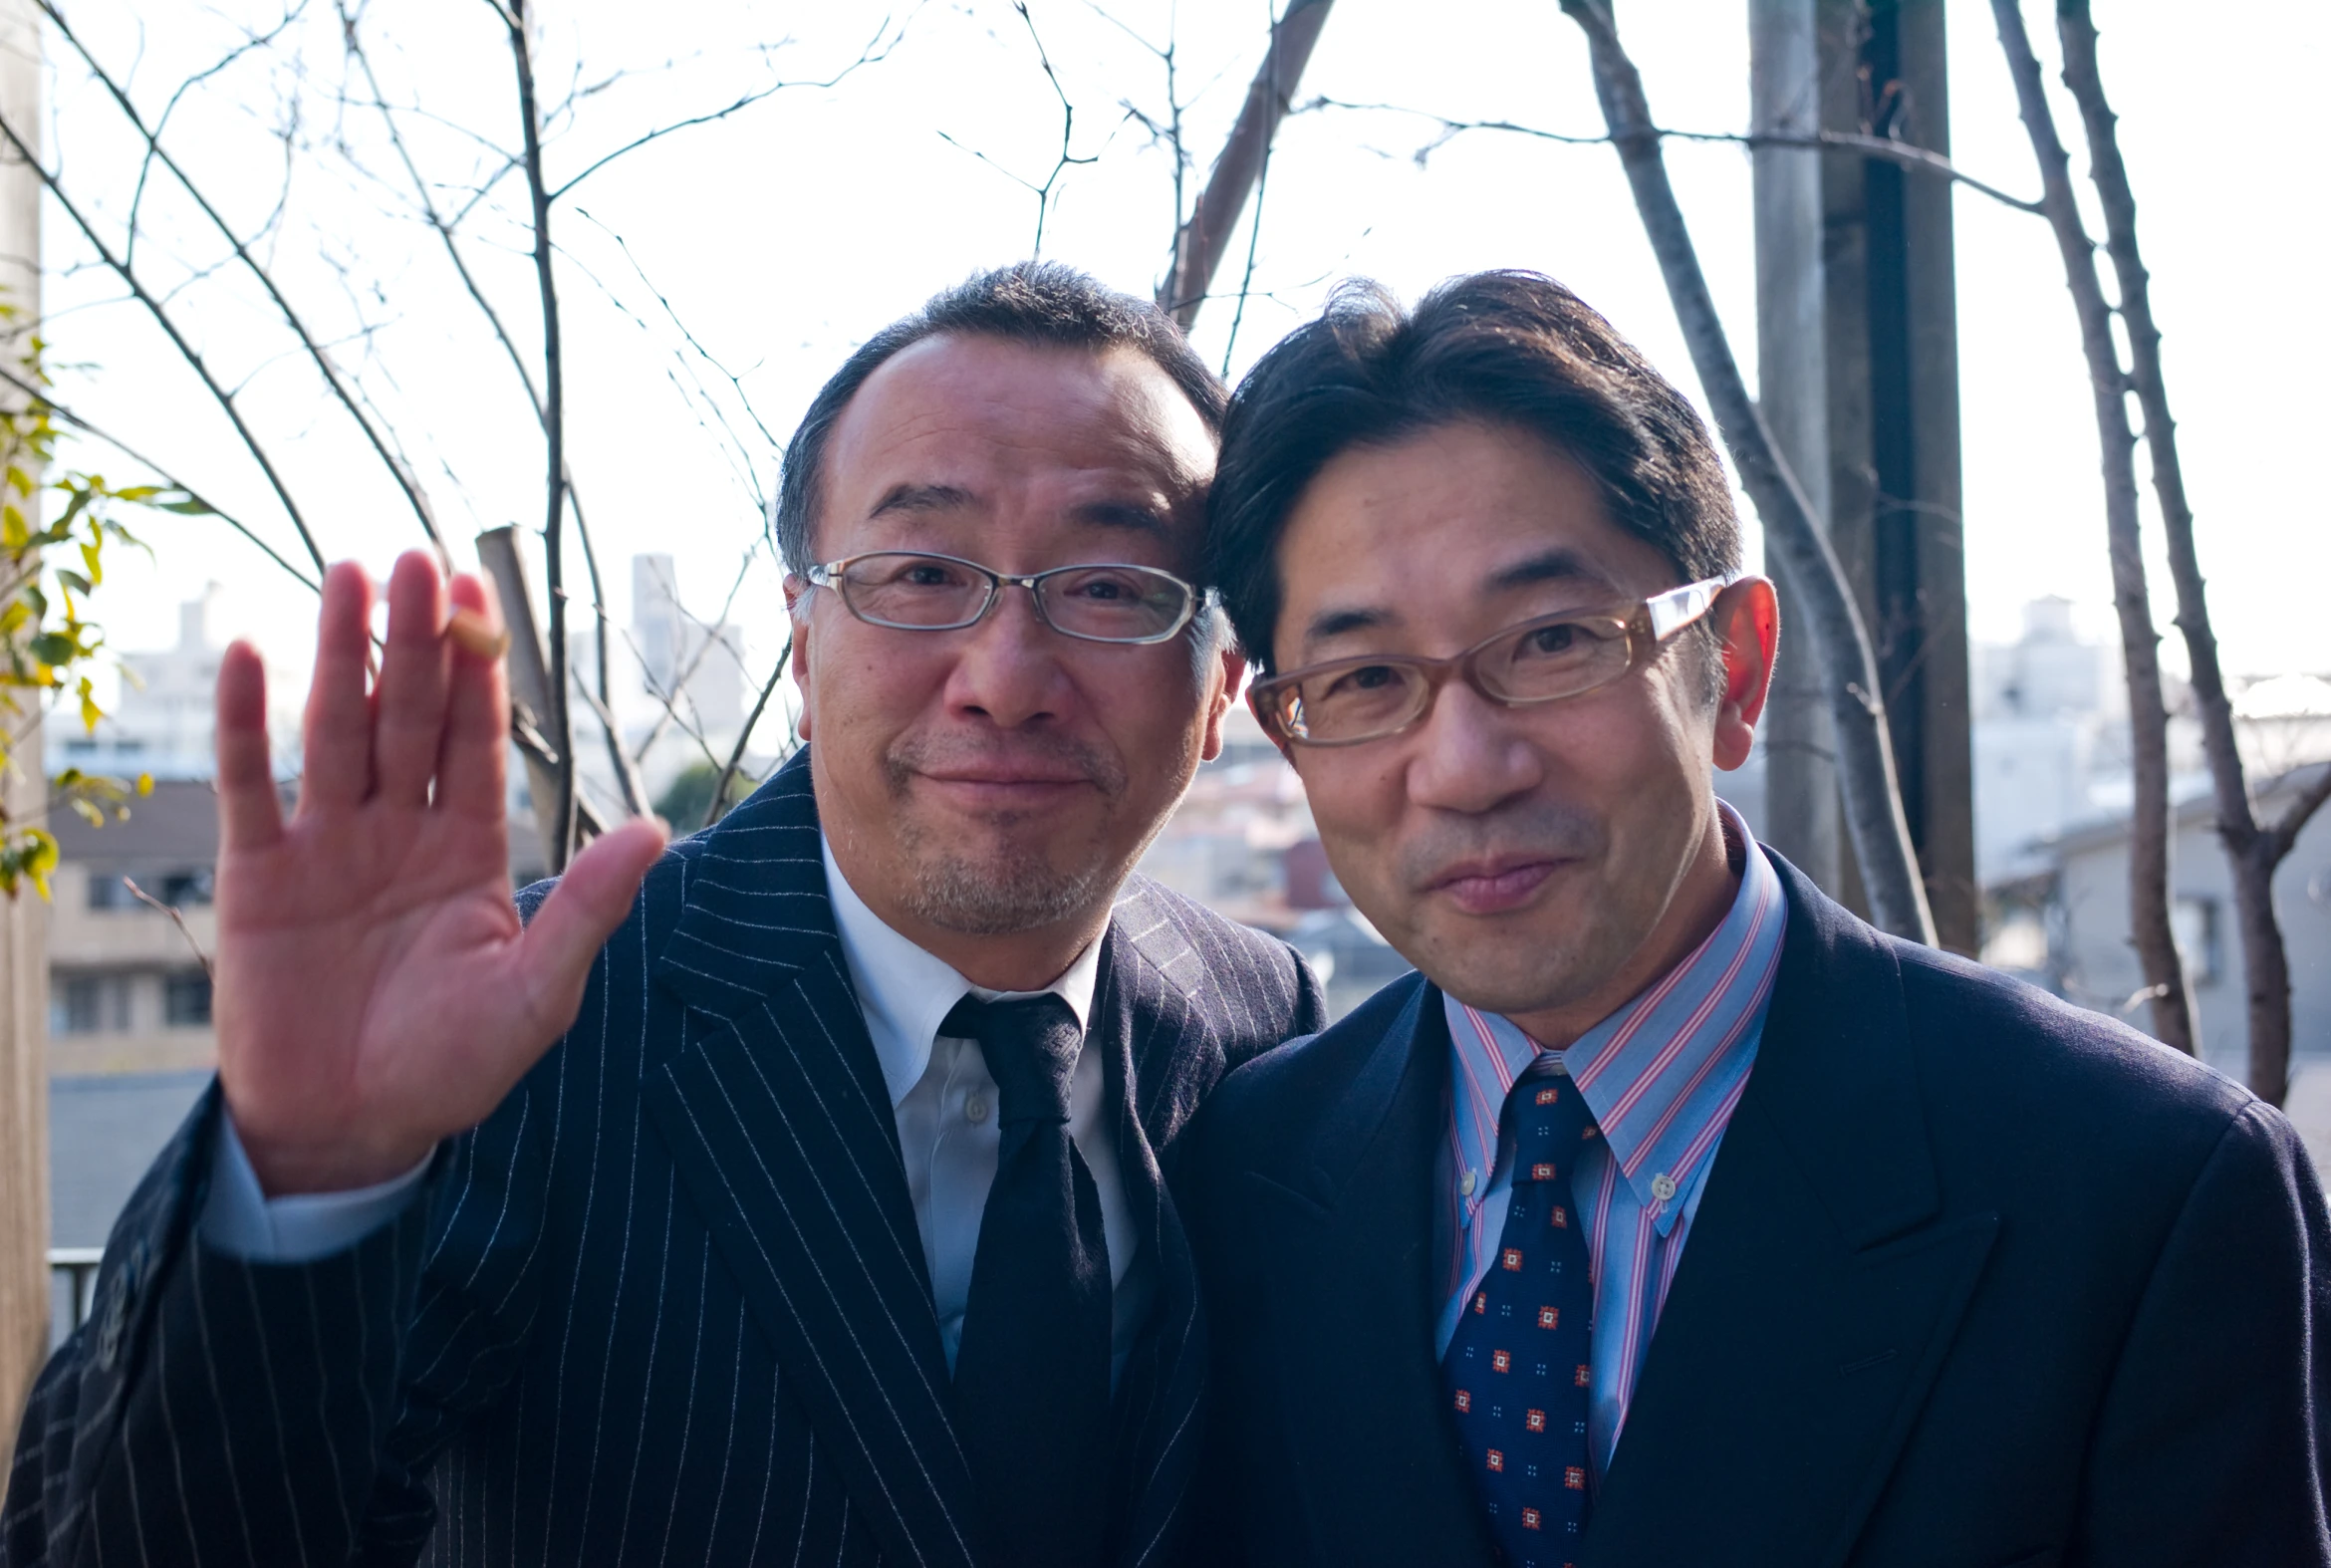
{"points": [[1466, 1184], [1663, 1187], [976, 1110]]}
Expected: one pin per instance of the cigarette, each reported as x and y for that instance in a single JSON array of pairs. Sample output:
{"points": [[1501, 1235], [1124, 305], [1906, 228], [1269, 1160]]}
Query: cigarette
{"points": [[473, 634]]}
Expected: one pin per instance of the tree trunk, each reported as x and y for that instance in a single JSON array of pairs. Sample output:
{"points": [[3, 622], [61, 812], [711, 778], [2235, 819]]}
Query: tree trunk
{"points": [[1872, 800], [2149, 827], [2253, 854]]}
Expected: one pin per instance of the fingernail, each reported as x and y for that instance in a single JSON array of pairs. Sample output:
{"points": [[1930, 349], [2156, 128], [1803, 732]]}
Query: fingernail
{"points": [[474, 635]]}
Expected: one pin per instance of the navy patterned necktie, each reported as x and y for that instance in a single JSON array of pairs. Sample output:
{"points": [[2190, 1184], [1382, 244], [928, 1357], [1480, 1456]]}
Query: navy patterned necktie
{"points": [[1516, 1368], [1031, 1392]]}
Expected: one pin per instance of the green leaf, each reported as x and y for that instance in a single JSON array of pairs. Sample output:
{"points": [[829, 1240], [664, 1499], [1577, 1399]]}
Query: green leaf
{"points": [[72, 580], [54, 647], [188, 508]]}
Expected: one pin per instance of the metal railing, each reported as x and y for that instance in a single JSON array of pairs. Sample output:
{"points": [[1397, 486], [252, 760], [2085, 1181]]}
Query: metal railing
{"points": [[78, 1265]]}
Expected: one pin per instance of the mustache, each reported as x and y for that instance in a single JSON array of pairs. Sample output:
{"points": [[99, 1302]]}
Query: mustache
{"points": [[1534, 829], [1046, 756]]}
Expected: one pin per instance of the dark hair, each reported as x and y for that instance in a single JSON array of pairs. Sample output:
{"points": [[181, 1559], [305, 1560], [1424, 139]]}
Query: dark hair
{"points": [[1044, 303], [1510, 348]]}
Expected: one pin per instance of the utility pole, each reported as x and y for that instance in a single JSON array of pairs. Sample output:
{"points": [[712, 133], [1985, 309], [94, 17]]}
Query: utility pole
{"points": [[1857, 371], [24, 948]]}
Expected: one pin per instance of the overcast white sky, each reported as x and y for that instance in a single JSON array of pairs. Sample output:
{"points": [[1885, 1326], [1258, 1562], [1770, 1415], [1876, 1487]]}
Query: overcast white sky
{"points": [[785, 234]]}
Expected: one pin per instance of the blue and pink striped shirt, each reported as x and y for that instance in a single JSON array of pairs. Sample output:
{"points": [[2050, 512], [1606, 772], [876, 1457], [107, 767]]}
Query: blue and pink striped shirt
{"points": [[1661, 1075]]}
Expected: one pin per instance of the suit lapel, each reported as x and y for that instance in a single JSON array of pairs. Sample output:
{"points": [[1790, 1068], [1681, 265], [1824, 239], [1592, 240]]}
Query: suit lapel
{"points": [[1818, 1292], [1162, 1054], [782, 1132], [1354, 1299]]}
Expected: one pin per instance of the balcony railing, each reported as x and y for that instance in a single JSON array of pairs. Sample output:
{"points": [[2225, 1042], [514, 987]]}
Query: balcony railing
{"points": [[77, 1266]]}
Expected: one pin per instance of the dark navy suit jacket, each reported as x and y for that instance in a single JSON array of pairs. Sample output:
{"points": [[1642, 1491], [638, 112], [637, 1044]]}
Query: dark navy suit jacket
{"points": [[1977, 1280], [667, 1304]]}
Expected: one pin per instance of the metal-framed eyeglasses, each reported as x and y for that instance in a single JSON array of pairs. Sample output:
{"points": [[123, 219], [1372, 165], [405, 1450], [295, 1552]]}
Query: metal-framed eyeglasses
{"points": [[1345, 701], [1107, 602]]}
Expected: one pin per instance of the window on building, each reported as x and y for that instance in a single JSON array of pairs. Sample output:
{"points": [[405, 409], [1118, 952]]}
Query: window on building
{"points": [[183, 889], [90, 1004], [108, 890], [186, 1000], [2194, 926]]}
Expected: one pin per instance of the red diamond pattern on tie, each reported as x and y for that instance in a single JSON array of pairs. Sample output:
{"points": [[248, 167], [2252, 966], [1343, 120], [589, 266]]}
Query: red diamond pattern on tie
{"points": [[1522, 1423]]}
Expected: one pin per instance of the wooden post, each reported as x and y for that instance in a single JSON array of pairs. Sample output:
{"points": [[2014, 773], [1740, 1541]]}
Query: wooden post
{"points": [[1801, 817], [24, 950], [530, 687], [1865, 389]]}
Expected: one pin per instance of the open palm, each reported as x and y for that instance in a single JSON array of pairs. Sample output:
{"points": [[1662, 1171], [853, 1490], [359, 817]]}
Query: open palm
{"points": [[375, 989]]}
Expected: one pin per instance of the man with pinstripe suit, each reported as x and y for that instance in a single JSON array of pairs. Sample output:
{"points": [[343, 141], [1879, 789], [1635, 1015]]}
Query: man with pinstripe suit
{"points": [[795, 1193]]}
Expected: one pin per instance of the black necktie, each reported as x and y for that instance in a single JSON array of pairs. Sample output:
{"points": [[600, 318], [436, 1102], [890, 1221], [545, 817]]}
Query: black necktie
{"points": [[1032, 1368]]}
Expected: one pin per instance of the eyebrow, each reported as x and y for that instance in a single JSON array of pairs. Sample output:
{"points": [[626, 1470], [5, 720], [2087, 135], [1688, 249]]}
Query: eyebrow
{"points": [[921, 498], [1550, 565], [909, 499]]}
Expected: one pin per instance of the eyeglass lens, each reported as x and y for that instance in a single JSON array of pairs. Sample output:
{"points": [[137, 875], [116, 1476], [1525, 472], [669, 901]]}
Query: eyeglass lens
{"points": [[1537, 662], [1110, 604]]}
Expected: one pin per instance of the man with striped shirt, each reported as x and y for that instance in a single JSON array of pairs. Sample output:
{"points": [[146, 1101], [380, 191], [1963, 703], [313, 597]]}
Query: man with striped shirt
{"points": [[1673, 1216]]}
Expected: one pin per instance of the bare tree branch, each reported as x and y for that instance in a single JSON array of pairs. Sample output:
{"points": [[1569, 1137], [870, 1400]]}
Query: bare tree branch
{"points": [[251, 42], [1197, 247], [1919, 159], [1872, 802], [554, 409], [719, 808], [1068, 124], [874, 52], [696, 657], [2149, 833], [177, 919], [135, 455], [1262, 191], [626, 776], [2254, 851], [436, 219], [398, 469], [2283, 834], [169, 327]]}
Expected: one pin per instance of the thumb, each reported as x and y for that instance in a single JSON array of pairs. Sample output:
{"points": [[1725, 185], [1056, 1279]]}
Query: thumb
{"points": [[584, 909]]}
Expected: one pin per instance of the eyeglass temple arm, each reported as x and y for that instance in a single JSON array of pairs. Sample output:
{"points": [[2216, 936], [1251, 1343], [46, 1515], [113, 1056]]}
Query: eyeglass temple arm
{"points": [[1680, 607]]}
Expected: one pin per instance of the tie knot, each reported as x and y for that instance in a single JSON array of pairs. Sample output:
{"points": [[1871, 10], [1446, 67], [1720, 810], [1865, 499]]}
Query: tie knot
{"points": [[1549, 1118], [1031, 1045]]}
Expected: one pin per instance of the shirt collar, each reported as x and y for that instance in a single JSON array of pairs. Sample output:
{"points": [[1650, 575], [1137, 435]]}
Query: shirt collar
{"points": [[1663, 1072], [905, 992]]}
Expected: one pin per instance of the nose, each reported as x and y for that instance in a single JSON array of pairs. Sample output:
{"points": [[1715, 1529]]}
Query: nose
{"points": [[1470, 756], [1008, 667]]}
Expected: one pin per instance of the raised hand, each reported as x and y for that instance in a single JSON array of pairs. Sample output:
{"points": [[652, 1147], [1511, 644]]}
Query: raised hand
{"points": [[375, 989]]}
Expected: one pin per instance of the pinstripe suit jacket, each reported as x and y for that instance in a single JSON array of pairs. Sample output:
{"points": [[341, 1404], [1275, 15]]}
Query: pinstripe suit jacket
{"points": [[667, 1304]]}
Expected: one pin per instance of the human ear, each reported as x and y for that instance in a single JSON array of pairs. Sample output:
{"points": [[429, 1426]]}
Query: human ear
{"points": [[797, 606], [1254, 707], [1231, 670], [1748, 621]]}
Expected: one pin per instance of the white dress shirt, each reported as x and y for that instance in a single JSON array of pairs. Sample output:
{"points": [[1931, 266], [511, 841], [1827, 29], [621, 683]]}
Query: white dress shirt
{"points": [[942, 1095]]}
